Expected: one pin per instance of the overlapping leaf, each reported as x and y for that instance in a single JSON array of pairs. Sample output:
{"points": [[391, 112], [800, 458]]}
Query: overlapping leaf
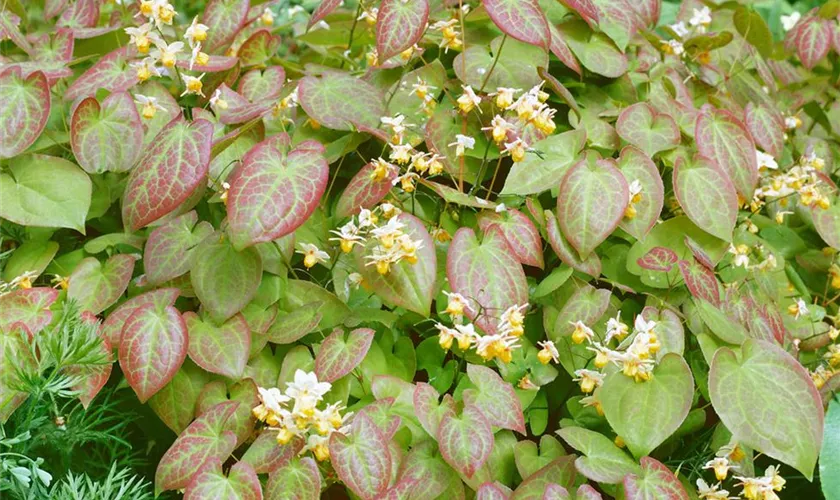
{"points": [[241, 483], [223, 19], [603, 461], [340, 353], [224, 279], [536, 174], [658, 259], [265, 455], [325, 100], [560, 472], [706, 195], [669, 330], [655, 482], [24, 109], [522, 20], [300, 479], [515, 66], [701, 281], [640, 125], [591, 265], [465, 440], [96, 286], [813, 40], [637, 166], [106, 137], [399, 25], [323, 9], [519, 232], [112, 72], [258, 49], [766, 126], [723, 139], [28, 306], [113, 325], [362, 460], [363, 192], [169, 249], [595, 51], [495, 398], [175, 403], [222, 349]]}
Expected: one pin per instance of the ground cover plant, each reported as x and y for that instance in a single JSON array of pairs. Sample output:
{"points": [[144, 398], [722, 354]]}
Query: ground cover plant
{"points": [[419, 249]]}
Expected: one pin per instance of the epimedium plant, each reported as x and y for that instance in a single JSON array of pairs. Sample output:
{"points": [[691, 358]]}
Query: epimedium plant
{"points": [[423, 249]]}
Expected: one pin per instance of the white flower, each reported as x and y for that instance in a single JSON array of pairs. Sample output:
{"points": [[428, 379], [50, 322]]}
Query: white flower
{"points": [[766, 161], [196, 32], [701, 17], [150, 106], [272, 399], [217, 102], [615, 328], [501, 208], [679, 29], [167, 54], [312, 255], [306, 384], [322, 25], [193, 85], [462, 143], [548, 352], [365, 218], [676, 47], [742, 255], [799, 308], [706, 492], [643, 326], [788, 22]]}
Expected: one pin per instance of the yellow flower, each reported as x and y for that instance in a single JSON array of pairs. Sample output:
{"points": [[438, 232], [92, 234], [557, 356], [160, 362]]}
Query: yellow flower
{"points": [[284, 435], [833, 355], [619, 441], [61, 282], [548, 353], [150, 106], [468, 100], [312, 255], [721, 467], [446, 336], [504, 97], [267, 17], [456, 304], [193, 85], [381, 170], [581, 333], [588, 379], [516, 149]]}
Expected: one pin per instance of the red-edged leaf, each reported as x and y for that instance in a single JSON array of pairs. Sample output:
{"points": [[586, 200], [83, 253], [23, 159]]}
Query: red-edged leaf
{"points": [[362, 192], [258, 48], [699, 254], [706, 195], [210, 482], [80, 14], [325, 100], [813, 40], [399, 25], [362, 460], [340, 353], [106, 137], [152, 348], [640, 125], [465, 440], [291, 327], [431, 474], [656, 482], [560, 471], [53, 8], [168, 173], [244, 392], [591, 265], [28, 306], [493, 491], [587, 305], [585, 9], [113, 325], [205, 439], [648, 11], [382, 413], [591, 202], [300, 479], [495, 398], [827, 224], [467, 266], [323, 9], [215, 64], [175, 403], [24, 109], [766, 126], [722, 138], [520, 19], [111, 72], [275, 190], [561, 50], [262, 85], [169, 249], [585, 491], [701, 281], [658, 259], [96, 286], [519, 233], [239, 109], [596, 51], [223, 279], [265, 455], [223, 18], [429, 411], [221, 349], [637, 166]]}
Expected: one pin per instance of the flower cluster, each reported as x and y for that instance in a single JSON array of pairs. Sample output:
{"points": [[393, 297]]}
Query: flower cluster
{"points": [[518, 117], [295, 413], [765, 260], [403, 155], [23, 281], [499, 345], [697, 25], [803, 178]]}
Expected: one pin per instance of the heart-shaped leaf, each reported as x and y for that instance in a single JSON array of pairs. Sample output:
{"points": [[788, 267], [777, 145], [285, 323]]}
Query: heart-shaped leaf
{"points": [[827, 224], [637, 166], [382, 413], [111, 72], [813, 40], [399, 25], [560, 472], [362, 460], [603, 462], [522, 20], [324, 8], [769, 403], [223, 279], [363, 192], [493, 491], [561, 50], [221, 349], [428, 409], [591, 202], [265, 455], [223, 18], [465, 440], [27, 306], [515, 67], [669, 330], [587, 305], [640, 125], [175, 403], [595, 51], [655, 482], [244, 392], [467, 263], [168, 173], [495, 398], [722, 138], [707, 196], [258, 49], [407, 285], [262, 85], [325, 100], [113, 325], [766, 126], [341, 353], [96, 286], [170, 247], [25, 105], [241, 482], [701, 281], [152, 348], [106, 137], [300, 479], [591, 265], [290, 327], [645, 414], [424, 465], [529, 459], [536, 174], [274, 191], [658, 259], [519, 232]]}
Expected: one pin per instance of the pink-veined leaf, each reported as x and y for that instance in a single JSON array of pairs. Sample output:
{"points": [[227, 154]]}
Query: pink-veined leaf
{"points": [[561, 50], [587, 10], [827, 224], [224, 279], [587, 492], [706, 195], [658, 259], [587, 305], [655, 482], [618, 20], [170, 247], [106, 137], [561, 472], [522, 20], [96, 286], [495, 398], [325, 100], [258, 49], [399, 25], [262, 85], [24, 109], [275, 190], [221, 349], [468, 265], [648, 11], [596, 51], [224, 18], [519, 232], [239, 109], [53, 8], [652, 132], [265, 455], [493, 491], [637, 166], [323, 9], [111, 72], [362, 460], [591, 265], [669, 330], [152, 348], [722, 138], [175, 403], [431, 474], [291, 327], [382, 413], [205, 439], [465, 440], [28, 306], [813, 40], [210, 483], [766, 126], [591, 202], [342, 352], [428, 409], [244, 392], [602, 460], [300, 479], [701, 281], [168, 173], [363, 192], [214, 64], [80, 14], [113, 325], [407, 285], [699, 253], [767, 399]]}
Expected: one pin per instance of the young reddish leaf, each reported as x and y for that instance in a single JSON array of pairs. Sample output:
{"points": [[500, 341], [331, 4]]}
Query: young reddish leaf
{"points": [[325, 100], [465, 440], [152, 348], [722, 138], [339, 355], [493, 491], [290, 327], [399, 25], [258, 48], [707, 196], [113, 325], [169, 249], [407, 285], [585, 491], [591, 202], [224, 18], [587, 304], [518, 231], [25, 105], [274, 190], [262, 85], [701, 281], [96, 286], [640, 125], [363, 192], [431, 474], [561, 50], [560, 471], [300, 479], [656, 482], [223, 279], [766, 126], [658, 259], [112, 72], [80, 14], [637, 166], [487, 274], [382, 413], [205, 439], [648, 11], [221, 349], [106, 137], [699, 254], [769, 402], [429, 411], [175, 403], [323, 9], [603, 461], [244, 392], [362, 460], [265, 455], [210, 482], [587, 10], [215, 64], [522, 20], [827, 224], [813, 40], [168, 173], [591, 265], [495, 398], [27, 306], [239, 109], [595, 51]]}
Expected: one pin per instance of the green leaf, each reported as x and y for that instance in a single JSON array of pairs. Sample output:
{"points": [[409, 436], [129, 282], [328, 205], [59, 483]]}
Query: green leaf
{"points": [[223, 279], [168, 252], [769, 402], [515, 67], [669, 330], [752, 27], [399, 25], [637, 166], [538, 173], [830, 454], [559, 472], [106, 137], [241, 482], [519, 232], [222, 348], [362, 460], [325, 100], [640, 125], [603, 462], [655, 482], [31, 256], [258, 49], [340, 353], [495, 398], [45, 191], [766, 126], [724, 327], [595, 50], [300, 479], [522, 20], [24, 110], [265, 455], [291, 327], [96, 286], [591, 265], [722, 138], [175, 403], [706, 194]]}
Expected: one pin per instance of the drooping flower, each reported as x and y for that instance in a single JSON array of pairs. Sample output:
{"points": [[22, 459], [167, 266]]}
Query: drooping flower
{"points": [[150, 106], [312, 255]]}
